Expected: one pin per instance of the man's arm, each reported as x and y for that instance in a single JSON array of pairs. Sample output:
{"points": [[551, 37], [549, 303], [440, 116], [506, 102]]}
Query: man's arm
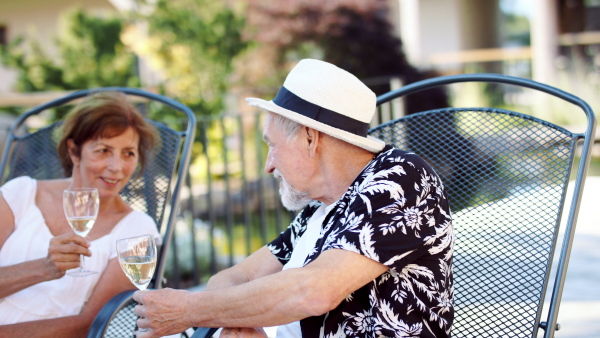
{"points": [[259, 264], [270, 300]]}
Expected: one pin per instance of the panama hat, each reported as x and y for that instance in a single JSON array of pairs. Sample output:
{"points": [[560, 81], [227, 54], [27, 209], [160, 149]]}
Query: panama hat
{"points": [[327, 98]]}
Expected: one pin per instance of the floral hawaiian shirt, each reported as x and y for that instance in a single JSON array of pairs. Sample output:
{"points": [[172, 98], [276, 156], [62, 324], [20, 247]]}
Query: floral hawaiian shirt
{"points": [[396, 213]]}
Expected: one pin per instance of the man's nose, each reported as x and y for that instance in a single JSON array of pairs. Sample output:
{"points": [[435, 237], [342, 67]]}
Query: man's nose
{"points": [[269, 167]]}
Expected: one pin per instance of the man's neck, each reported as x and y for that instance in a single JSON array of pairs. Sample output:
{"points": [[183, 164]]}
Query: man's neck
{"points": [[339, 172]]}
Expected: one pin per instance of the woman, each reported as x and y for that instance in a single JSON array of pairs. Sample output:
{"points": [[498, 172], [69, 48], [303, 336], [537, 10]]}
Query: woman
{"points": [[104, 141]]}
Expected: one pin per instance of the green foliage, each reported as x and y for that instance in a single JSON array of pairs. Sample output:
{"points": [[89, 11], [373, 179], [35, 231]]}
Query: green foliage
{"points": [[36, 71], [193, 43], [91, 54]]}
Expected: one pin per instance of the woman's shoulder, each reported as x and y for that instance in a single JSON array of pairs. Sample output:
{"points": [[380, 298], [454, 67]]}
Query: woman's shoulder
{"points": [[18, 181], [57, 184], [51, 189], [19, 194], [140, 216], [135, 223], [19, 187]]}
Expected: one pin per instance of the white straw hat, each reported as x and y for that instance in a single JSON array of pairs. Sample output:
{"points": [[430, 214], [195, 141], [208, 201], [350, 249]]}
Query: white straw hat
{"points": [[327, 98]]}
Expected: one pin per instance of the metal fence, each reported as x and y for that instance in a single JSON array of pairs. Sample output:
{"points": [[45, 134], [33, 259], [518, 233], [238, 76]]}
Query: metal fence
{"points": [[230, 207]]}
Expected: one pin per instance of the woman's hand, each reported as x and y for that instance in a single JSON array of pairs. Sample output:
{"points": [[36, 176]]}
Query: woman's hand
{"points": [[63, 254]]}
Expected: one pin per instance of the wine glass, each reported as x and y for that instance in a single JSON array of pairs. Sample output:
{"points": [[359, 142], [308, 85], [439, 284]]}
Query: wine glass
{"points": [[81, 209], [137, 256]]}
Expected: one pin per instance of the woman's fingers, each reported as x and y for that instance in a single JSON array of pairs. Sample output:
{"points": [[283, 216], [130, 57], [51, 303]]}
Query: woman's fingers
{"points": [[64, 253], [70, 244]]}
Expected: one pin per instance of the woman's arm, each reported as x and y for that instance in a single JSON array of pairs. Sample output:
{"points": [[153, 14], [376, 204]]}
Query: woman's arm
{"points": [[63, 254], [112, 281]]}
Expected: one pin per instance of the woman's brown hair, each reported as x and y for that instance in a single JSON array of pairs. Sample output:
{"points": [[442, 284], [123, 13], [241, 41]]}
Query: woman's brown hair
{"points": [[104, 115]]}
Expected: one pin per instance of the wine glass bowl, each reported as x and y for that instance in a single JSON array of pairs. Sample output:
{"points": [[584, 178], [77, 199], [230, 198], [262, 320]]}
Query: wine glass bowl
{"points": [[81, 209], [137, 257]]}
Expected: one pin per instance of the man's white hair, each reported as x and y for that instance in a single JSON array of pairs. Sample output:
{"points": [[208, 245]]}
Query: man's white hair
{"points": [[286, 126], [291, 128]]}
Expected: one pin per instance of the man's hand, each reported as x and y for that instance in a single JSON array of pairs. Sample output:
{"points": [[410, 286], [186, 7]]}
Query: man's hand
{"points": [[243, 333], [163, 312]]}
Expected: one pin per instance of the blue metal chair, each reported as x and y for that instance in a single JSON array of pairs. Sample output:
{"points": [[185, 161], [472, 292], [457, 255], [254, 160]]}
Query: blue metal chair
{"points": [[506, 174], [156, 192]]}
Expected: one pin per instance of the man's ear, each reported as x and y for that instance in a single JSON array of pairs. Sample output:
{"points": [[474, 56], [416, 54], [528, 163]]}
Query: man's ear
{"points": [[312, 140], [73, 151]]}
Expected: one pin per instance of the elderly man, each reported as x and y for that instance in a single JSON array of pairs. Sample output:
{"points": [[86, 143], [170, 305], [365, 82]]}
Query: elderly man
{"points": [[368, 255]]}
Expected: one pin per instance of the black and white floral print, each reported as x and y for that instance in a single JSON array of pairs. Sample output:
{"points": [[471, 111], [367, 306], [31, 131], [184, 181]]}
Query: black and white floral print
{"points": [[395, 213]]}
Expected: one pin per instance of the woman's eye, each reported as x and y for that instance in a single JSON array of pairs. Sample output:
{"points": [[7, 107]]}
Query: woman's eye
{"points": [[130, 154]]}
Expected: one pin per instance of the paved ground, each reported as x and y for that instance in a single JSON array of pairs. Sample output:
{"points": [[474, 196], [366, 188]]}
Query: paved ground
{"points": [[579, 314]]}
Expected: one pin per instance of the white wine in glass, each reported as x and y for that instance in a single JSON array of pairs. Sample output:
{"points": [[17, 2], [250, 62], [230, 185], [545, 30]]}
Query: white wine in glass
{"points": [[137, 256], [81, 209]]}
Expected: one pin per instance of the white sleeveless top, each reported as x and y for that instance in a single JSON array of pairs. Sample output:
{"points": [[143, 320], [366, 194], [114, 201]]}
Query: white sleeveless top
{"points": [[30, 240]]}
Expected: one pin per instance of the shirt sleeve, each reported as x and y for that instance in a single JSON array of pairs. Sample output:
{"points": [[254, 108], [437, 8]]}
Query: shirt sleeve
{"points": [[392, 218], [19, 194]]}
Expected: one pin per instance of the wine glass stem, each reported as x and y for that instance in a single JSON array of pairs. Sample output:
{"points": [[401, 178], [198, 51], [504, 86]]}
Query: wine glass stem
{"points": [[82, 262]]}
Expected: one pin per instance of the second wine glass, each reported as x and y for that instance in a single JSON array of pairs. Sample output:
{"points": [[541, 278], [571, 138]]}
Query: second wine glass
{"points": [[81, 209], [137, 256]]}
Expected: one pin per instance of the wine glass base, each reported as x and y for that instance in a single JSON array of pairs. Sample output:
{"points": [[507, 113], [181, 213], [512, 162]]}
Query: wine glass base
{"points": [[80, 273]]}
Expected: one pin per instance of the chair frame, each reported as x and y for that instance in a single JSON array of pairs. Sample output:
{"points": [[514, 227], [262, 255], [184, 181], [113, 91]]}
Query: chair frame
{"points": [[172, 198], [588, 136]]}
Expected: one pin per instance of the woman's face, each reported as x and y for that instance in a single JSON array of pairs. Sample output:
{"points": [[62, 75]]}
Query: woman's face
{"points": [[106, 163]]}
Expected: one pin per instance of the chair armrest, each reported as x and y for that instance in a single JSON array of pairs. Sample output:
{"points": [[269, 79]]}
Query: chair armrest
{"points": [[120, 306]]}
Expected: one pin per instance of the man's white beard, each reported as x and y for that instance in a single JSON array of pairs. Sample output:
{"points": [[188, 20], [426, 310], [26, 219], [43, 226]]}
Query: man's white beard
{"points": [[292, 199]]}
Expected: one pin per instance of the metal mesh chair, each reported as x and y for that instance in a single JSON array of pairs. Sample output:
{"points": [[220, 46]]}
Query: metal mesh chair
{"points": [[32, 152], [506, 175]]}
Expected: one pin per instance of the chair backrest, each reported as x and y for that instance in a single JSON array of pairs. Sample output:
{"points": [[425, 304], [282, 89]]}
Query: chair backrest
{"points": [[32, 152], [506, 175]]}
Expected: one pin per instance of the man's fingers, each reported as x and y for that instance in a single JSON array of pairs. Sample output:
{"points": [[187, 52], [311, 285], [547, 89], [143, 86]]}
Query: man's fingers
{"points": [[140, 310], [138, 296], [242, 333], [143, 323], [145, 334]]}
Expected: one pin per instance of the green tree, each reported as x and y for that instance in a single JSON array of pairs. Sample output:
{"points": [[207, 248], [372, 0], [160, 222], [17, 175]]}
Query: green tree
{"points": [[193, 44], [90, 54]]}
